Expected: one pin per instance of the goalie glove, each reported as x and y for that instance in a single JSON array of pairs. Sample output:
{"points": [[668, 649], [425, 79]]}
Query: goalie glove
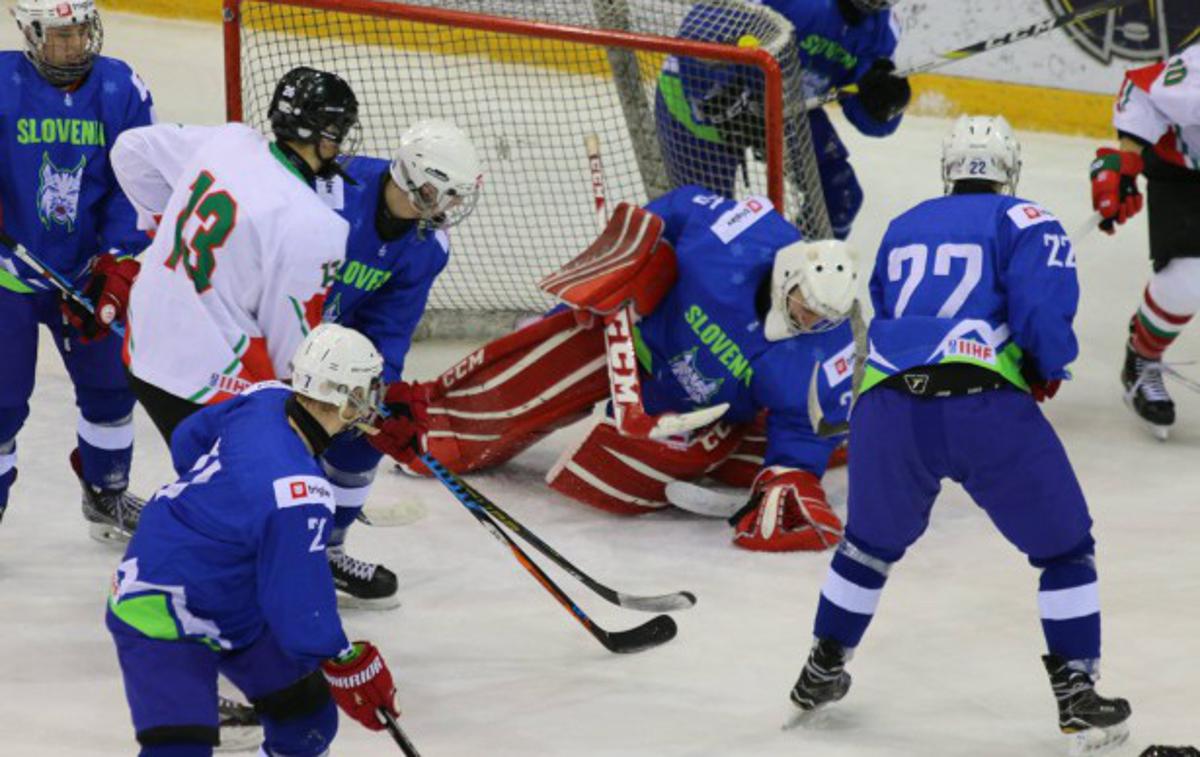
{"points": [[883, 94], [361, 684], [787, 512], [108, 289], [1115, 193]]}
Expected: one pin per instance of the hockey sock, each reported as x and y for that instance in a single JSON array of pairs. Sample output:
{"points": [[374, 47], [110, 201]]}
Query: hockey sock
{"points": [[850, 594], [1069, 603], [8, 470], [1170, 300], [106, 451], [350, 487]]}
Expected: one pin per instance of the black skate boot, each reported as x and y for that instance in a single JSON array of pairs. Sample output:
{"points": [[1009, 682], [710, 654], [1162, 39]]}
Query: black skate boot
{"points": [[1145, 393], [361, 584], [824, 679], [1093, 723], [239, 726], [112, 514]]}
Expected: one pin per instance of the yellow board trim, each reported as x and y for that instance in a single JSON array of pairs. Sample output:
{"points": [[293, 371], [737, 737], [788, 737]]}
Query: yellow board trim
{"points": [[1025, 106]]}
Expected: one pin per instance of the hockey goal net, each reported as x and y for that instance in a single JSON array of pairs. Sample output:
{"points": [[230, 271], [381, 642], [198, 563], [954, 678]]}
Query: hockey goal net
{"points": [[533, 82]]}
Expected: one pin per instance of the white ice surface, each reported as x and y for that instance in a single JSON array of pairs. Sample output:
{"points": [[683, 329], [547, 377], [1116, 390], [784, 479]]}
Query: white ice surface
{"points": [[488, 664]]}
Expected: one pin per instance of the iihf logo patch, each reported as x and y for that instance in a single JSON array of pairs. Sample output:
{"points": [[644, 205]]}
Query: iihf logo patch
{"points": [[1147, 30]]}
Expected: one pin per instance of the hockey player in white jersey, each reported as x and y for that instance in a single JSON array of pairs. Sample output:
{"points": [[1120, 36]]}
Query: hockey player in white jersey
{"points": [[1157, 118], [244, 248]]}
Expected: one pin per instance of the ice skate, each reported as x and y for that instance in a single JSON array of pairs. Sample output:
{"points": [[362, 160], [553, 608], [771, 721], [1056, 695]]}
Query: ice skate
{"points": [[1146, 394], [1094, 725], [239, 726], [823, 680], [112, 515], [362, 584]]}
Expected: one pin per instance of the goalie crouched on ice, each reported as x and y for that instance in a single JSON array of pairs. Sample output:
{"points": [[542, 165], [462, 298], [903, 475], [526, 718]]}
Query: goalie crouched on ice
{"points": [[739, 318]]}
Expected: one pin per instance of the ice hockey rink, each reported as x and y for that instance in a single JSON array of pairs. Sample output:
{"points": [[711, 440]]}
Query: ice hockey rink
{"points": [[487, 664]]}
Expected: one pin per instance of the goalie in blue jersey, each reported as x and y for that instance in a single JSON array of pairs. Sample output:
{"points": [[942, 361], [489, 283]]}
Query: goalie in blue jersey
{"points": [[742, 340], [974, 296], [707, 116], [227, 571], [62, 106]]}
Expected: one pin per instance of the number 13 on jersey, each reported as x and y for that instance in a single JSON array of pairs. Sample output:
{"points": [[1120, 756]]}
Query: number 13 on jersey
{"points": [[212, 215]]}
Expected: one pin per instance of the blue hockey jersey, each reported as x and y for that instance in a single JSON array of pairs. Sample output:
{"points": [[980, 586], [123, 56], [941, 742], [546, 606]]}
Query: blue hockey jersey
{"points": [[382, 287], [237, 544], [704, 343], [986, 279], [832, 53], [58, 195]]}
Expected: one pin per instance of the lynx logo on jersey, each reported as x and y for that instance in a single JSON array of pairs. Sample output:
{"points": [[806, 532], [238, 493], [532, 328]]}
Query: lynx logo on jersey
{"points": [[1147, 30], [699, 388], [741, 217], [58, 193], [293, 491]]}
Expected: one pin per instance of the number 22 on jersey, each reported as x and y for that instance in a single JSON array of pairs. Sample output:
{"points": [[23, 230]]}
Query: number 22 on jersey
{"points": [[209, 218]]}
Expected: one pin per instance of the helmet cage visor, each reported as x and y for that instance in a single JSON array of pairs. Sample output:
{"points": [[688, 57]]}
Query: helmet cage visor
{"points": [[42, 43]]}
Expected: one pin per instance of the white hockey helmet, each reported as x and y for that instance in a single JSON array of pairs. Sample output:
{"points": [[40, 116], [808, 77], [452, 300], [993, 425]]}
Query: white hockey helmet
{"points": [[983, 148], [340, 367], [35, 19], [820, 276], [439, 168]]}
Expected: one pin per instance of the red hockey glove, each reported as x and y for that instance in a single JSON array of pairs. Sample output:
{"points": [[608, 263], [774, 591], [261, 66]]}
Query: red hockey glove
{"points": [[1114, 186], [401, 435], [108, 289], [1041, 389], [361, 683], [787, 511]]}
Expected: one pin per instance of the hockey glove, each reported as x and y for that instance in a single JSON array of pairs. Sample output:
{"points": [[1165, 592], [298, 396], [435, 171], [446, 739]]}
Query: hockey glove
{"points": [[1041, 389], [401, 435], [108, 289], [737, 114], [1114, 186], [361, 684], [883, 94], [787, 511]]}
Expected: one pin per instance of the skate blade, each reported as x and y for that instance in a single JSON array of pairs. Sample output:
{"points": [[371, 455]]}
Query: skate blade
{"points": [[109, 534], [1160, 433], [1096, 741], [351, 602], [240, 738]]}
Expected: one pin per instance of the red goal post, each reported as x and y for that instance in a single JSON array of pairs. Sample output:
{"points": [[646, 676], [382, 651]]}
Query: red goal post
{"points": [[391, 51]]}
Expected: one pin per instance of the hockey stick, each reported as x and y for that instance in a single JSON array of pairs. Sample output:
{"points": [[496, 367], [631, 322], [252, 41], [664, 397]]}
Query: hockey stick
{"points": [[398, 735], [1035, 29], [711, 503], [679, 600], [1085, 230], [57, 280], [658, 630], [591, 143]]}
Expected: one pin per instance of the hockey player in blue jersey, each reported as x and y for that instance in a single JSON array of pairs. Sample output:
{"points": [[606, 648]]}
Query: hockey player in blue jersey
{"points": [[738, 316], [61, 108], [399, 212], [974, 295], [227, 571], [707, 116]]}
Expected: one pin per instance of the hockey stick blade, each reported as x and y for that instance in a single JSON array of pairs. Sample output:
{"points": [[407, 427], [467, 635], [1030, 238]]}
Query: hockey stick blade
{"points": [[654, 632], [702, 500], [401, 513]]}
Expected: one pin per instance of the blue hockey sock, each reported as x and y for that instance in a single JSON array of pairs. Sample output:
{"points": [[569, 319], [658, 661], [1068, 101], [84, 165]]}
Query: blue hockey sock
{"points": [[1069, 603], [8, 470], [850, 595], [106, 451]]}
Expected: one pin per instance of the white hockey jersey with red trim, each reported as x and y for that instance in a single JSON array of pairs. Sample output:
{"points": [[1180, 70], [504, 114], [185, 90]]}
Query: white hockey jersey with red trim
{"points": [[1161, 105], [243, 253]]}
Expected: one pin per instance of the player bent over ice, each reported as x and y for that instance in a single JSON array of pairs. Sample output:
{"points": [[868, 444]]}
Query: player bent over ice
{"points": [[63, 105], [738, 314], [398, 214], [227, 571], [974, 295]]}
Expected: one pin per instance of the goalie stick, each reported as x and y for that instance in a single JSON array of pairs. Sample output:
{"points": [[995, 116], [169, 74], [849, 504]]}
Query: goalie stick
{"points": [[657, 631], [706, 501], [1035, 29], [398, 734], [56, 279]]}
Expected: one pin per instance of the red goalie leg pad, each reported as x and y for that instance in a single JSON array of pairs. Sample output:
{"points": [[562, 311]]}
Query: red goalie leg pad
{"points": [[513, 391], [628, 475], [629, 262], [787, 512], [746, 461]]}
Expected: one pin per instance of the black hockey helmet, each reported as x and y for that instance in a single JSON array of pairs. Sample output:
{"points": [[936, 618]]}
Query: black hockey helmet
{"points": [[310, 105], [870, 6]]}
